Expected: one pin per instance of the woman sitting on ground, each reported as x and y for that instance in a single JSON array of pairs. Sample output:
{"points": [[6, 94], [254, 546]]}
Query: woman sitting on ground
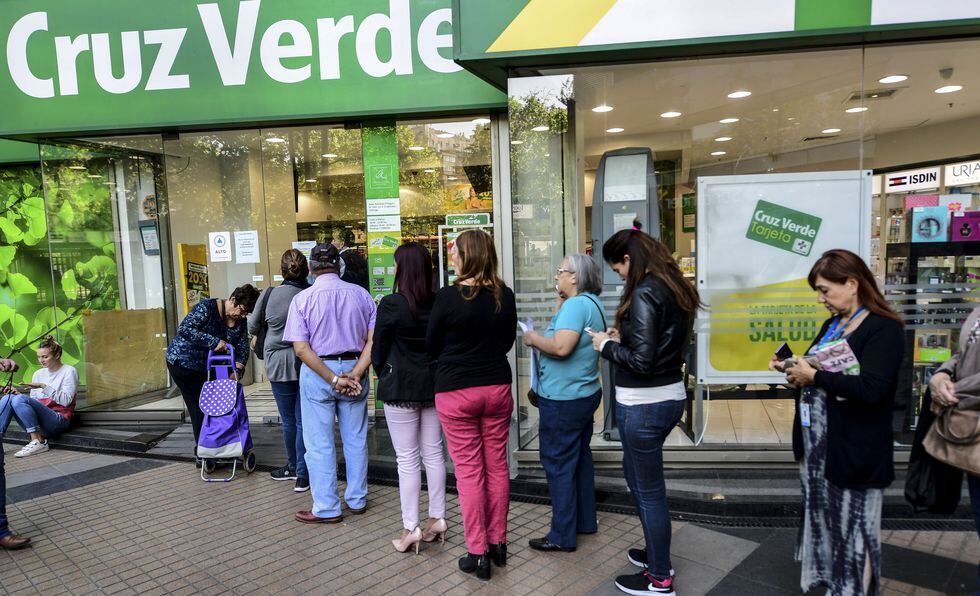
{"points": [[48, 410]]}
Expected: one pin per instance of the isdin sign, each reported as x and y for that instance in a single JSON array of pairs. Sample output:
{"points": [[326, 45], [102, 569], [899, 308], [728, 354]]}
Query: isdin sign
{"points": [[226, 61]]}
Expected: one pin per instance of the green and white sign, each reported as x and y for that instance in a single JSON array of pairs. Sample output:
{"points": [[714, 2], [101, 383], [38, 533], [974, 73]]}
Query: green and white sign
{"points": [[783, 228], [459, 220], [384, 227], [117, 64]]}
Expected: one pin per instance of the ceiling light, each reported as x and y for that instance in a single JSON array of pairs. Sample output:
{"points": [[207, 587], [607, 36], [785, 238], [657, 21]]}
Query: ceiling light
{"points": [[615, 129], [541, 128], [311, 180], [429, 171], [95, 175], [723, 139], [830, 131], [739, 94], [898, 78], [445, 135], [276, 140], [516, 142], [602, 109], [77, 167], [329, 155], [949, 89], [717, 153], [481, 121], [728, 120], [452, 178], [670, 115], [416, 148], [775, 109], [856, 110]]}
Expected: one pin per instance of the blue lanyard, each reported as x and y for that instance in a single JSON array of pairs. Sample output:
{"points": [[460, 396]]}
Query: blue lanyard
{"points": [[836, 330]]}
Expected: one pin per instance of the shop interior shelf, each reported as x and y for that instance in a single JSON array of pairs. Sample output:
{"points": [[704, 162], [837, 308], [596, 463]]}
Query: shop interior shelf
{"points": [[932, 249]]}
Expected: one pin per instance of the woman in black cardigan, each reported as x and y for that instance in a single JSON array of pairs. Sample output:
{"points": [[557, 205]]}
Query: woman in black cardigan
{"points": [[406, 386], [843, 429]]}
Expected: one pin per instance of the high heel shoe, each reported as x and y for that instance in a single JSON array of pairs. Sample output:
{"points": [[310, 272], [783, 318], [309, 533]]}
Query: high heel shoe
{"points": [[405, 542], [436, 529]]}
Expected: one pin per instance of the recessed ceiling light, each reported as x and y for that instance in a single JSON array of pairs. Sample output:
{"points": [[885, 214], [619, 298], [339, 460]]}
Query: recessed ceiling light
{"points": [[671, 115], [445, 135], [717, 153], [615, 129], [276, 140], [329, 155], [416, 148], [775, 109], [516, 142], [452, 178], [723, 139], [77, 168], [728, 120], [541, 128], [897, 78], [481, 121], [428, 171], [856, 110], [830, 131], [739, 94], [602, 109], [949, 89], [311, 180]]}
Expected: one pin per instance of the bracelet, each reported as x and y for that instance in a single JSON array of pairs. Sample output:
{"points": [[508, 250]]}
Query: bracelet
{"points": [[333, 383]]}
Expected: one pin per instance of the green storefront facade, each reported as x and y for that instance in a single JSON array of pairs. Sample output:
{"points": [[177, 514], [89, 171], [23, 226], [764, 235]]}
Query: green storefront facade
{"points": [[136, 138]]}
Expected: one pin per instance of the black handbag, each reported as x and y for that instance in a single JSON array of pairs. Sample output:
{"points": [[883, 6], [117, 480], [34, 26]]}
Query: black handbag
{"points": [[930, 484]]}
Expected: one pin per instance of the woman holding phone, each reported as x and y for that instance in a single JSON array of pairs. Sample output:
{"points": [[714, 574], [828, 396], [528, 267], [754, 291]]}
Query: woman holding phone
{"points": [[842, 430]]}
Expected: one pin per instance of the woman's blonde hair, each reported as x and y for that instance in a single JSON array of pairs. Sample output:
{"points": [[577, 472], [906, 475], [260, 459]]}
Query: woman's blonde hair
{"points": [[52, 345], [478, 262]]}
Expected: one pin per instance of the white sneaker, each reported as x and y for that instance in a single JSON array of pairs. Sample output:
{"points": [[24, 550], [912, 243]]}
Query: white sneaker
{"points": [[32, 448]]}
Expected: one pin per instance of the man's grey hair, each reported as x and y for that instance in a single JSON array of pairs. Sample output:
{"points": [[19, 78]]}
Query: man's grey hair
{"points": [[588, 275]]}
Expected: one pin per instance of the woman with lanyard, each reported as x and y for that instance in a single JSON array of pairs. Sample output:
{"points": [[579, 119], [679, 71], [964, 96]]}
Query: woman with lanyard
{"points": [[842, 431]]}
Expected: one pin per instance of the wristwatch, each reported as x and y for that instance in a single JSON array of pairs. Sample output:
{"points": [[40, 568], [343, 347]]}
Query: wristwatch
{"points": [[333, 383]]}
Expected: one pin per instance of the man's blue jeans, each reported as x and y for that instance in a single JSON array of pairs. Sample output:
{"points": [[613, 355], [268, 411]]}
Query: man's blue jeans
{"points": [[320, 404], [291, 413], [565, 429], [643, 429], [32, 415]]}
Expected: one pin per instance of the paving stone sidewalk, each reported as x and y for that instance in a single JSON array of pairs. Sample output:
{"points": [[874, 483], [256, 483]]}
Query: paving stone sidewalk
{"points": [[114, 525]]}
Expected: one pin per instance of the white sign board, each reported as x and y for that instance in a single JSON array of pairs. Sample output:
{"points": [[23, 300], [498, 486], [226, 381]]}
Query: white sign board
{"points": [[758, 236], [220, 245], [383, 207], [247, 246], [625, 178], [305, 247], [963, 174], [912, 180]]}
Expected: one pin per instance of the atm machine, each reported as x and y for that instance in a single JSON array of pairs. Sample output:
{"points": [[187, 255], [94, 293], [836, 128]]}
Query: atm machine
{"points": [[625, 192]]}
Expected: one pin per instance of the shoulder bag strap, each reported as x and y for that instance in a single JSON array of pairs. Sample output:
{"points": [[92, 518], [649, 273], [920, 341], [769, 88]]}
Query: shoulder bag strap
{"points": [[602, 313]]}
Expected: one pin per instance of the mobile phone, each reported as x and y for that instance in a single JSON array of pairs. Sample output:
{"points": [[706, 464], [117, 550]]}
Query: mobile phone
{"points": [[784, 352], [590, 330]]}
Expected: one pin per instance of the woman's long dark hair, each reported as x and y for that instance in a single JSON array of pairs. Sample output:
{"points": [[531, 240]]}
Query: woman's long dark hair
{"points": [[413, 277], [648, 256], [839, 265]]}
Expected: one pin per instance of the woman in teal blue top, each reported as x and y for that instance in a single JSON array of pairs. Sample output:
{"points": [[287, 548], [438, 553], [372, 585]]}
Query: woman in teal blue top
{"points": [[569, 393]]}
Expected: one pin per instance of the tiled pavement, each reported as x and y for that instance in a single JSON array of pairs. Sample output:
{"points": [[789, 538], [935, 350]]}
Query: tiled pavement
{"points": [[105, 524]]}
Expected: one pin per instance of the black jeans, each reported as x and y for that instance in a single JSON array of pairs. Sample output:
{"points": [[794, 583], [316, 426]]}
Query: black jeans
{"points": [[643, 429], [565, 428], [190, 383]]}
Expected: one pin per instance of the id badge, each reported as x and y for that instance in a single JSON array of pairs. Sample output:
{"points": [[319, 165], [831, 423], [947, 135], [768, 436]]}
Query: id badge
{"points": [[805, 414]]}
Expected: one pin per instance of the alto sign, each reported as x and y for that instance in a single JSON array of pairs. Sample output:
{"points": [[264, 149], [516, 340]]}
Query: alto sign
{"points": [[962, 174], [912, 180], [122, 65], [286, 49]]}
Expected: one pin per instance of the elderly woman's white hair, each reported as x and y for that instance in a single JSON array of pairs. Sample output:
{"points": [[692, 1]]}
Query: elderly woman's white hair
{"points": [[588, 275]]}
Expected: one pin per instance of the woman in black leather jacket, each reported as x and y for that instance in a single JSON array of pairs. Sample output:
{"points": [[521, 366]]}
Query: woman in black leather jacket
{"points": [[653, 330]]}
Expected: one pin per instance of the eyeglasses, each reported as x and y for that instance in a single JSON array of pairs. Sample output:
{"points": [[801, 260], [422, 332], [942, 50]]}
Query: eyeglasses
{"points": [[560, 270]]}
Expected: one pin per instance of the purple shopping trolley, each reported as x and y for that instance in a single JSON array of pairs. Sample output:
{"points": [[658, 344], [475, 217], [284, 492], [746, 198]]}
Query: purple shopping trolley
{"points": [[225, 436]]}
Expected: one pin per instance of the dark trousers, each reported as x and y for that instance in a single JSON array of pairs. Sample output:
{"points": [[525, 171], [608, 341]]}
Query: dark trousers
{"points": [[973, 482], [565, 429], [4, 529], [643, 429], [190, 382], [287, 400]]}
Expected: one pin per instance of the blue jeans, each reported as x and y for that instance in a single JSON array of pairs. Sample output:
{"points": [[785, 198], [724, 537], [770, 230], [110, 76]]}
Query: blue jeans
{"points": [[291, 413], [565, 429], [32, 415], [4, 528], [643, 429], [321, 404]]}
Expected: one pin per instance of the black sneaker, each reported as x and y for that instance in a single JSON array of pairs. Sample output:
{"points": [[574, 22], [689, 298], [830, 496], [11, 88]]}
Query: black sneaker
{"points": [[643, 583], [283, 473], [638, 557], [302, 485]]}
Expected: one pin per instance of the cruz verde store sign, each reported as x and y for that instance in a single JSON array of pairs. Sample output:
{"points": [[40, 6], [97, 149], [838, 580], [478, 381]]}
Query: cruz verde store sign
{"points": [[116, 64]]}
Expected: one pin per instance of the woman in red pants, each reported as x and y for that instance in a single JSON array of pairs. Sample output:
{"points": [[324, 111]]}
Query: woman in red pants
{"points": [[471, 329]]}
